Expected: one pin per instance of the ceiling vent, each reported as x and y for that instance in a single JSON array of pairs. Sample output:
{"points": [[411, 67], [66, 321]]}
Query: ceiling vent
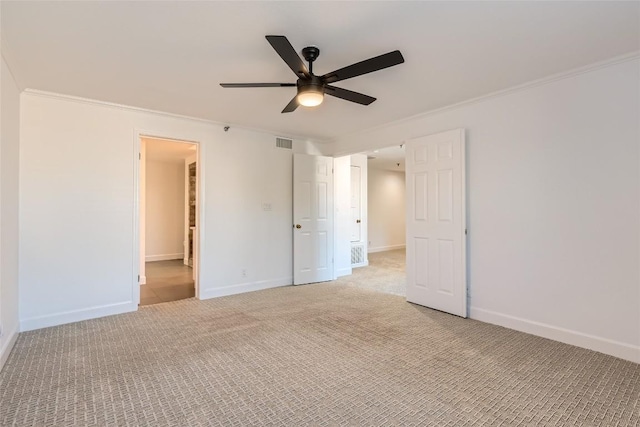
{"points": [[284, 143]]}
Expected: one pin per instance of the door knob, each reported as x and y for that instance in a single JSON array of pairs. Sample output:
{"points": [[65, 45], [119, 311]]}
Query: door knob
{"points": [[298, 226]]}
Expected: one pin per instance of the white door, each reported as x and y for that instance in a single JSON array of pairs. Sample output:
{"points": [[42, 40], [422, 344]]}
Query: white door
{"points": [[312, 219], [355, 204], [436, 221]]}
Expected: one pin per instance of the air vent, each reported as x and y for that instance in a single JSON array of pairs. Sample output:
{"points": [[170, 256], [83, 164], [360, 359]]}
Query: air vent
{"points": [[284, 143], [357, 254]]}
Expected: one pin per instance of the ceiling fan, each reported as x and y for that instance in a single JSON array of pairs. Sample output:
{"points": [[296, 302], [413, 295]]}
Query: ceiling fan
{"points": [[312, 88]]}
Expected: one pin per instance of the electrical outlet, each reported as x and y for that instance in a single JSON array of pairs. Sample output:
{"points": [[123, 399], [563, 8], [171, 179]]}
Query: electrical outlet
{"points": [[244, 272]]}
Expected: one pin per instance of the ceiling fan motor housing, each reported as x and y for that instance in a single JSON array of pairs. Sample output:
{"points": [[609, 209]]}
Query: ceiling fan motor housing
{"points": [[314, 83]]}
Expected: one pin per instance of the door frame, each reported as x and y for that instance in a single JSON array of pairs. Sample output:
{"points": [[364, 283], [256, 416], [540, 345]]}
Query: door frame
{"points": [[136, 156]]}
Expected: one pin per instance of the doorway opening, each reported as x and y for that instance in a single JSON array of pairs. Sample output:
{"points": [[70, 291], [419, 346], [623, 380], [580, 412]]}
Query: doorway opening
{"points": [[386, 207], [378, 230], [435, 223], [168, 221]]}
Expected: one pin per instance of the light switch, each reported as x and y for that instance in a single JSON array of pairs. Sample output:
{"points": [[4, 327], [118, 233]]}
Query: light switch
{"points": [[266, 207]]}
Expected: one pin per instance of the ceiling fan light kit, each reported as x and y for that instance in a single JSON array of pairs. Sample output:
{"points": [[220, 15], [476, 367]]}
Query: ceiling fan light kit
{"points": [[310, 92], [311, 88], [310, 96]]}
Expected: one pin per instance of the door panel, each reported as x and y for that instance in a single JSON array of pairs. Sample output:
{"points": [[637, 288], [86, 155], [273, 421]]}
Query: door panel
{"points": [[420, 261], [436, 222], [313, 219]]}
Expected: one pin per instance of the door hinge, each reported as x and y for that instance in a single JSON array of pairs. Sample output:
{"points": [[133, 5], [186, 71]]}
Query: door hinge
{"points": [[465, 232], [138, 278], [139, 156]]}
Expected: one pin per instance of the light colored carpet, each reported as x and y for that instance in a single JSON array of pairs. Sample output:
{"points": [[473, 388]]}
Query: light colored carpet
{"points": [[385, 273], [323, 355]]}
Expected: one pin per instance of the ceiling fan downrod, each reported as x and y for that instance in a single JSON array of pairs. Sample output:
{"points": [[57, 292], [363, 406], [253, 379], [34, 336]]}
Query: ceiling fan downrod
{"points": [[310, 53]]}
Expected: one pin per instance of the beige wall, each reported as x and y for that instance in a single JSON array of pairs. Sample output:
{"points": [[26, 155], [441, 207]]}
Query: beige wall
{"points": [[386, 210], [164, 216]]}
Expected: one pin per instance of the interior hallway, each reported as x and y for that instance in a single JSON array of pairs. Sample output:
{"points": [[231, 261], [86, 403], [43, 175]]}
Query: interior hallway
{"points": [[167, 281], [386, 273]]}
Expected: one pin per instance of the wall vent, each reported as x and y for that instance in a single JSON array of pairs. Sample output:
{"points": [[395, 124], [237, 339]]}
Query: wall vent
{"points": [[284, 143], [357, 254]]}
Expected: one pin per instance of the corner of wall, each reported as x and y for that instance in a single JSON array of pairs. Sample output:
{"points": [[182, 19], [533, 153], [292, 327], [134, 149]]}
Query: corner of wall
{"points": [[5, 351], [9, 216]]}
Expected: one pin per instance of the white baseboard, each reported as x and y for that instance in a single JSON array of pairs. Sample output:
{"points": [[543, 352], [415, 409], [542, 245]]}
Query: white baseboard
{"points": [[7, 347], [362, 264], [386, 248], [245, 287], [344, 272], [163, 257], [579, 339], [143, 280], [72, 316]]}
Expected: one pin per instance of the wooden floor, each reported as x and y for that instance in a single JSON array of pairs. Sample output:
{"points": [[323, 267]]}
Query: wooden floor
{"points": [[167, 281]]}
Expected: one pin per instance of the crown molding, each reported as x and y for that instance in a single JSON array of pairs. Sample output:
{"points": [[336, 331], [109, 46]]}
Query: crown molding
{"points": [[324, 142], [500, 93], [90, 101]]}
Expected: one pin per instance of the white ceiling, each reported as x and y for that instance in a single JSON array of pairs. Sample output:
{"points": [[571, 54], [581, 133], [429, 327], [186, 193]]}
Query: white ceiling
{"points": [[171, 56], [390, 158], [164, 150]]}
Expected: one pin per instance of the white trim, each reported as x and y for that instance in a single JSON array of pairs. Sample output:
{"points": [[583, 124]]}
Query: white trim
{"points": [[139, 270], [567, 336], [198, 235], [463, 213], [362, 264], [164, 257], [245, 287], [343, 272], [72, 316], [386, 248], [79, 99], [8, 346], [324, 142], [497, 94], [198, 244]]}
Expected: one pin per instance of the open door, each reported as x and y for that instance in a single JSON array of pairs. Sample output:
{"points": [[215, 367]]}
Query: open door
{"points": [[312, 219], [436, 221]]}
